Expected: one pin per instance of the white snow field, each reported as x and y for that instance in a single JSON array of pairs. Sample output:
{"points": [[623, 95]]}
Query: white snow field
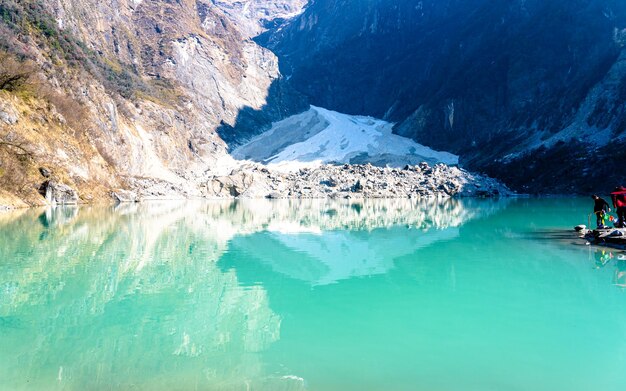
{"points": [[320, 136]]}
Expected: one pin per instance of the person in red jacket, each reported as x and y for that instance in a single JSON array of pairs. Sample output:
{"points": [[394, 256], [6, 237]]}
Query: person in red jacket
{"points": [[619, 203]]}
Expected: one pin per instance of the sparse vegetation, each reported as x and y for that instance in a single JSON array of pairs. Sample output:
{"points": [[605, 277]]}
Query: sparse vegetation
{"points": [[14, 74], [44, 72], [18, 148], [15, 162], [72, 111], [19, 77], [30, 19]]}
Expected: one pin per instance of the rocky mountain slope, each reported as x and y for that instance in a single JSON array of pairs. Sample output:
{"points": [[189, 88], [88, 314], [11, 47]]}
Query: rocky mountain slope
{"points": [[253, 17], [133, 99], [103, 95], [531, 91]]}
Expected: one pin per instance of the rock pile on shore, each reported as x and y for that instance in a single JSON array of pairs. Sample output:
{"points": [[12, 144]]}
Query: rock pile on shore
{"points": [[255, 181], [353, 181]]}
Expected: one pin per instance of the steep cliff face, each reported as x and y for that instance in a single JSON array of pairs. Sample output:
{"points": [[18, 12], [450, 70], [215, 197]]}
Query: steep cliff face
{"points": [[153, 81], [499, 83]]}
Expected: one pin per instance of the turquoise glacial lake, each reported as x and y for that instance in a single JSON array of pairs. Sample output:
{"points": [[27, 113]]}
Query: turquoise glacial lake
{"points": [[310, 295]]}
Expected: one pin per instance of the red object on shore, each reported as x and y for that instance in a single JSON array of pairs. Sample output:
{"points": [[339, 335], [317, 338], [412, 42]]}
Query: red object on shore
{"points": [[619, 197]]}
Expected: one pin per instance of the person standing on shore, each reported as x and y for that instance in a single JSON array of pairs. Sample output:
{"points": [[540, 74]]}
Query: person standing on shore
{"points": [[600, 208], [619, 203]]}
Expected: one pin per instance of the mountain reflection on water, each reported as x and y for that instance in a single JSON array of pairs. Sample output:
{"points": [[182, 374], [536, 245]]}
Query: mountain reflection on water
{"points": [[114, 297]]}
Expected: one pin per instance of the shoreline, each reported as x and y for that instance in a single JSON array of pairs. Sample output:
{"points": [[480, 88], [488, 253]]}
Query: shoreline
{"points": [[9, 208], [255, 181]]}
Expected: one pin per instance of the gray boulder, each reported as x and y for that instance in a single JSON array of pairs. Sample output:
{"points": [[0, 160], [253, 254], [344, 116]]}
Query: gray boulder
{"points": [[57, 193], [233, 185], [124, 196], [8, 113], [357, 187]]}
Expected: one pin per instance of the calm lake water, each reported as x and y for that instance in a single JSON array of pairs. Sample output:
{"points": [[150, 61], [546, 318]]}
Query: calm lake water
{"points": [[311, 295]]}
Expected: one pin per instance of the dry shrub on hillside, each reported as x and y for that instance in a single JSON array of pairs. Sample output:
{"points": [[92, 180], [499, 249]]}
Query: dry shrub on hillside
{"points": [[73, 112], [16, 160], [14, 74], [20, 76]]}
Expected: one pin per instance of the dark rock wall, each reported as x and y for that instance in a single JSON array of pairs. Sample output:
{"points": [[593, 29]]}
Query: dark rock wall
{"points": [[480, 78]]}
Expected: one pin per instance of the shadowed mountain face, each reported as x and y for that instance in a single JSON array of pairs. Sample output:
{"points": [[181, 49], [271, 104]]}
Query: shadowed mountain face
{"points": [[499, 83]]}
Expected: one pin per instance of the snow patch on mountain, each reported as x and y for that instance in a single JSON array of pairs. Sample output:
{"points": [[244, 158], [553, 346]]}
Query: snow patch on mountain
{"points": [[252, 17], [319, 136]]}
